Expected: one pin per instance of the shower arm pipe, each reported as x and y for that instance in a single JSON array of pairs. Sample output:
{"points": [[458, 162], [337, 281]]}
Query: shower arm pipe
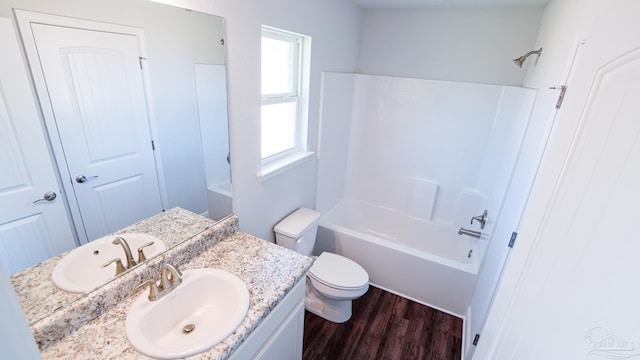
{"points": [[520, 61]]}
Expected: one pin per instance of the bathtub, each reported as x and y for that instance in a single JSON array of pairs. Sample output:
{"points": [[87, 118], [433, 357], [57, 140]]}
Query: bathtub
{"points": [[219, 200], [416, 259]]}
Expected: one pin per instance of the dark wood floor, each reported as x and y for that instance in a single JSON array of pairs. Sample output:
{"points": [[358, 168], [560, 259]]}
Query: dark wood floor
{"points": [[384, 326]]}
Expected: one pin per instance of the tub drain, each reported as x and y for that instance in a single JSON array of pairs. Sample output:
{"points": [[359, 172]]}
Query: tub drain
{"points": [[469, 254], [188, 329]]}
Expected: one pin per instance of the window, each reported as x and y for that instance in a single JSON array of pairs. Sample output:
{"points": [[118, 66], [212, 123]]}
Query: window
{"points": [[283, 87]]}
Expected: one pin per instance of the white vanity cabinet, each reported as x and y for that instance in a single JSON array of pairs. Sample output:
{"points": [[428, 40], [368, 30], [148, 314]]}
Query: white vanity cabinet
{"points": [[279, 335]]}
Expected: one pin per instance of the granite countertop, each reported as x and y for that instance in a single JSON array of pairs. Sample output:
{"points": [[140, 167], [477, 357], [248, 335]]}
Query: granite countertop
{"points": [[268, 270], [39, 297]]}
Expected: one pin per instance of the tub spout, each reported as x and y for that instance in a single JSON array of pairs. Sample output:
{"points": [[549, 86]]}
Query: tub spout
{"points": [[475, 234]]}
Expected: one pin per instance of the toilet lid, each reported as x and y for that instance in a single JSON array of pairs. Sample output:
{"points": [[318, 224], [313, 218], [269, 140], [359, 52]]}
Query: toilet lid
{"points": [[338, 272]]}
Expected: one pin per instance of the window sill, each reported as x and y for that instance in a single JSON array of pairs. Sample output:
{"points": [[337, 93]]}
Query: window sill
{"points": [[279, 166]]}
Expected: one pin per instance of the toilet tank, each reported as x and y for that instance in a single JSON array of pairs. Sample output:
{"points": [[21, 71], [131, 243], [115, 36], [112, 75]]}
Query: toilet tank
{"points": [[298, 231]]}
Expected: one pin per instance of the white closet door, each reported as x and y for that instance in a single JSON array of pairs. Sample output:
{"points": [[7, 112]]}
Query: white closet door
{"points": [[29, 231], [95, 87]]}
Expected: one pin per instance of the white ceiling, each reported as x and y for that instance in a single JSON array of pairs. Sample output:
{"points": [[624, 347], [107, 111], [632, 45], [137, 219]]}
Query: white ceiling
{"points": [[449, 3]]}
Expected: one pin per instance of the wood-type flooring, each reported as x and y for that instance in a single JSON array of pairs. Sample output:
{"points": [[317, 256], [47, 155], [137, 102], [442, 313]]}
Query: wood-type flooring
{"points": [[384, 326]]}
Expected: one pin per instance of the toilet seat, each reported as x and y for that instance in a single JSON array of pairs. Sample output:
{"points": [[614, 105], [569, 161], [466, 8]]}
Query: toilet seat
{"points": [[336, 294], [339, 274]]}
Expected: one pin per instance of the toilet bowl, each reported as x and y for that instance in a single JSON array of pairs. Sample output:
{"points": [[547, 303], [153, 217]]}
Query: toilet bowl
{"points": [[333, 281]]}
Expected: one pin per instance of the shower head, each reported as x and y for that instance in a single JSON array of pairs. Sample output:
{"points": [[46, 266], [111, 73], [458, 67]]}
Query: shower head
{"points": [[519, 61]]}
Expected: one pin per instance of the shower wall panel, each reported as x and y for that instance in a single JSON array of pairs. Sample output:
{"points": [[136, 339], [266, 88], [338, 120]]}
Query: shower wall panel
{"points": [[336, 106], [438, 150]]}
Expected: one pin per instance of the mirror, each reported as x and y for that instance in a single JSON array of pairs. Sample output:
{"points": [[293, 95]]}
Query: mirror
{"points": [[186, 94]]}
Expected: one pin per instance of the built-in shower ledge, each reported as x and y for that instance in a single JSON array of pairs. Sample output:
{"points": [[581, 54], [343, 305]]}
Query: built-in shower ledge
{"points": [[283, 164]]}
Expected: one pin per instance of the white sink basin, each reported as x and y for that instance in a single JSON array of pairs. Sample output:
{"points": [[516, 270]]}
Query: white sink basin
{"points": [[81, 270], [198, 314]]}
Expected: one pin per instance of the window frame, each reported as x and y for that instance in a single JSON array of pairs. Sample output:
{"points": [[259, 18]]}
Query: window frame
{"points": [[296, 96]]}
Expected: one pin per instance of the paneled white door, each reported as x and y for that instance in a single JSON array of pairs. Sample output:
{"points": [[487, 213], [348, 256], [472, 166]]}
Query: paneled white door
{"points": [[575, 294], [513, 207], [31, 229], [95, 87]]}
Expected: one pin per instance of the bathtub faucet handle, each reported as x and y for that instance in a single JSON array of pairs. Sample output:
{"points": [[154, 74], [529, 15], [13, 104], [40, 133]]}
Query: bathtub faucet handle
{"points": [[482, 219]]}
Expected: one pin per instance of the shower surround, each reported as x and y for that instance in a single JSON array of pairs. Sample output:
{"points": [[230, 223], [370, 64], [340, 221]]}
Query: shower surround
{"points": [[430, 154]]}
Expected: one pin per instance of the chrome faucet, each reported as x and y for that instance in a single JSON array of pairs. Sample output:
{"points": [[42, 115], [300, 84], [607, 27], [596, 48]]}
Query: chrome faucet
{"points": [[472, 233], [127, 251], [170, 278]]}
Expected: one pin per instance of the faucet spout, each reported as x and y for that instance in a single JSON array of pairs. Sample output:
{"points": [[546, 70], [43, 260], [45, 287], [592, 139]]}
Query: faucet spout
{"points": [[131, 262], [472, 233], [170, 277]]}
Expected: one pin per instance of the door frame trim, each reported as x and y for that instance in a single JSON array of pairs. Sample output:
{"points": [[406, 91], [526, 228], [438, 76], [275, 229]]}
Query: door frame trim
{"points": [[24, 20]]}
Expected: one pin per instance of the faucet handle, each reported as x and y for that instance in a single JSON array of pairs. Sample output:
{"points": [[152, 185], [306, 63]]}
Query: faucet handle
{"points": [[153, 289], [119, 267], [482, 219], [141, 256]]}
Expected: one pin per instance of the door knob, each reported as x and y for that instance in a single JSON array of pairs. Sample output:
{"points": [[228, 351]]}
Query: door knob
{"points": [[81, 178], [48, 196]]}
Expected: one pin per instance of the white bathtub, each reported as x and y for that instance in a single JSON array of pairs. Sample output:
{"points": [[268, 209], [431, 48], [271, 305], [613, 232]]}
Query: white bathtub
{"points": [[219, 200], [419, 260]]}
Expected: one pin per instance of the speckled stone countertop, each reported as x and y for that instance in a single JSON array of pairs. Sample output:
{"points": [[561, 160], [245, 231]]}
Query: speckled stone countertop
{"points": [[83, 310], [39, 297], [268, 270]]}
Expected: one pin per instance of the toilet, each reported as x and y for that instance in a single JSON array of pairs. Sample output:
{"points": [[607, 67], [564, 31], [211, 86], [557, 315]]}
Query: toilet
{"points": [[333, 281]]}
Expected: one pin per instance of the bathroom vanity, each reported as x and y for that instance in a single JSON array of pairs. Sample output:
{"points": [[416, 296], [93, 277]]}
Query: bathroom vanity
{"points": [[274, 276]]}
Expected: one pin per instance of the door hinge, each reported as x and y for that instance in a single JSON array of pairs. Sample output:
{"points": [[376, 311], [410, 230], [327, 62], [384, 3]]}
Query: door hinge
{"points": [[153, 146], [563, 91], [140, 58], [475, 339], [514, 235]]}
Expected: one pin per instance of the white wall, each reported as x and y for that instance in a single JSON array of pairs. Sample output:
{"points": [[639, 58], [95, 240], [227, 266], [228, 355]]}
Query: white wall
{"points": [[508, 33], [334, 26], [472, 45]]}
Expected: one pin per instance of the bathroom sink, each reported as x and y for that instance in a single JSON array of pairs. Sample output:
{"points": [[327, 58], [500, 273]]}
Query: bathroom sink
{"points": [[81, 270], [198, 314]]}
